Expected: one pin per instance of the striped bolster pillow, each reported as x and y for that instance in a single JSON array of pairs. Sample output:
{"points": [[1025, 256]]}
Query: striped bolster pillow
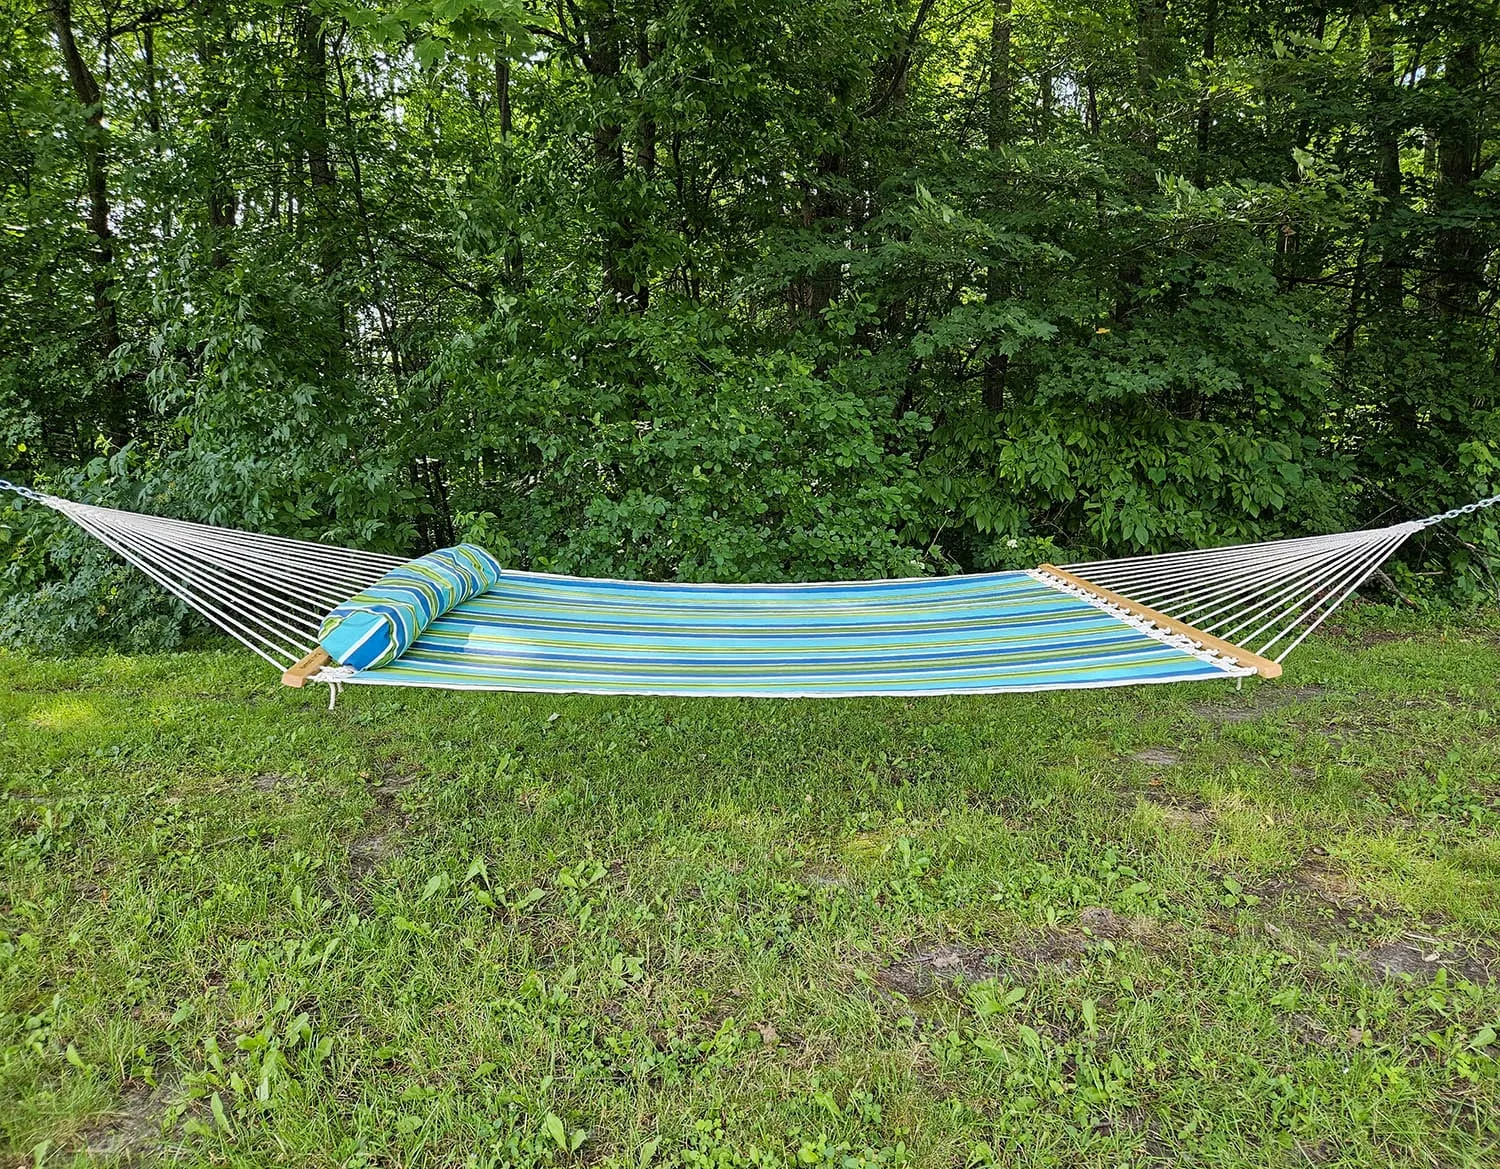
{"points": [[375, 627]]}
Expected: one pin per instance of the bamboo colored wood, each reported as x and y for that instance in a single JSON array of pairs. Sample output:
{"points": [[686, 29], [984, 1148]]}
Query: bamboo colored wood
{"points": [[1262, 666], [298, 675]]}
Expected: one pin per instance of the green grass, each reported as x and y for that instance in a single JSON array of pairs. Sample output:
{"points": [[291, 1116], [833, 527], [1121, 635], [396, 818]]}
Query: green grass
{"points": [[1164, 925]]}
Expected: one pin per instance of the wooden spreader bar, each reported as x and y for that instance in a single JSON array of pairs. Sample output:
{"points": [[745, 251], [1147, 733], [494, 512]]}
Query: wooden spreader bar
{"points": [[1262, 666], [298, 675]]}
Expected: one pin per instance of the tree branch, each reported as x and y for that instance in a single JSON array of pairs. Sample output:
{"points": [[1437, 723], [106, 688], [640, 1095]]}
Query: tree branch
{"points": [[903, 62]]}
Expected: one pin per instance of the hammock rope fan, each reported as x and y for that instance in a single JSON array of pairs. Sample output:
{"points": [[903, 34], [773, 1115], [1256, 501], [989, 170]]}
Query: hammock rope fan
{"points": [[1227, 612]]}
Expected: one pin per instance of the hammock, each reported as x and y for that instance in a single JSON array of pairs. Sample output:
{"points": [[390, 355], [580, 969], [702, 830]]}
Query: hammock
{"points": [[1218, 613]]}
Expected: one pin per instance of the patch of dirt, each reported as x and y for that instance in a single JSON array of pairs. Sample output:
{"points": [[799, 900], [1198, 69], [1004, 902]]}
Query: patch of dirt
{"points": [[1102, 922], [1316, 875], [387, 788], [1099, 922], [1213, 712], [381, 839], [1125, 1121], [1420, 959], [1317, 899], [1318, 1152], [1365, 637], [45, 687], [1259, 701], [1182, 811], [91, 891], [369, 851], [1158, 757], [1322, 902], [1309, 1030], [825, 878], [130, 1129], [924, 971]]}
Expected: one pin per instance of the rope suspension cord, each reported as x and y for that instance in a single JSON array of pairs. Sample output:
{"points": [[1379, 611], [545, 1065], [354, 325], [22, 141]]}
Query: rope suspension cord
{"points": [[1242, 608], [1281, 590], [269, 593], [1265, 597]]}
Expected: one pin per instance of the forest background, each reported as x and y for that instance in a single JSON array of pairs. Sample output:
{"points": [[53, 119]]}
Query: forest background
{"points": [[744, 289]]}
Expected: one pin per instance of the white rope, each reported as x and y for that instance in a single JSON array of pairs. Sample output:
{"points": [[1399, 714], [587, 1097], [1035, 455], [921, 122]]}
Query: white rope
{"points": [[1191, 565], [320, 585], [325, 556], [1202, 591], [250, 596], [267, 592], [266, 649], [245, 608], [1282, 588], [1161, 633], [1165, 561], [1225, 604], [1247, 626], [1333, 601]]}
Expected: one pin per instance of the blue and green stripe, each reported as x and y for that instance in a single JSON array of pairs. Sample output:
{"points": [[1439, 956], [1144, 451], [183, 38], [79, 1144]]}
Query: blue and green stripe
{"points": [[983, 633]]}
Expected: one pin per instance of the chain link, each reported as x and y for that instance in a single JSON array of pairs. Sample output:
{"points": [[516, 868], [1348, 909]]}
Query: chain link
{"points": [[1467, 509], [23, 492]]}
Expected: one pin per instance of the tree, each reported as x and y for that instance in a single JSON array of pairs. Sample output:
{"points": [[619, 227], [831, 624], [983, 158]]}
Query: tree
{"points": [[797, 288]]}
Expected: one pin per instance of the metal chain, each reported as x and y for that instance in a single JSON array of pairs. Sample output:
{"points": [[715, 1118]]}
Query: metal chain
{"points": [[1467, 509], [23, 492]]}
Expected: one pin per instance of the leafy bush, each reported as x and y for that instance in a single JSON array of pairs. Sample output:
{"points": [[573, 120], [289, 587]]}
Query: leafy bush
{"points": [[63, 592], [654, 447]]}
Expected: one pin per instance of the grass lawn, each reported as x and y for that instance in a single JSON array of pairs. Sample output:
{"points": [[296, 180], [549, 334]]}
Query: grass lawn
{"points": [[1169, 925]]}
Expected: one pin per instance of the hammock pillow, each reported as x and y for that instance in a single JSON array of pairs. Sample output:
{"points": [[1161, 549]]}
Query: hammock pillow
{"points": [[374, 627]]}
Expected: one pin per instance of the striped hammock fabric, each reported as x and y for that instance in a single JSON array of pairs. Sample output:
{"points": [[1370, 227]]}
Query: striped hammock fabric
{"points": [[989, 633]]}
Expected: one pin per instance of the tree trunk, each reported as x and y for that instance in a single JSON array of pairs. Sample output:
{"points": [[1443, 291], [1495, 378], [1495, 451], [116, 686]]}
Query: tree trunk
{"points": [[1381, 70], [997, 365], [515, 258], [1460, 249], [603, 61], [116, 408], [223, 201], [385, 312], [312, 53], [1045, 87], [1205, 101], [645, 150], [1150, 64], [502, 92], [1000, 83]]}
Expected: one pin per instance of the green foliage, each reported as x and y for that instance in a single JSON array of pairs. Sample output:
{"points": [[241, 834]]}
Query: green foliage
{"points": [[779, 290], [66, 593], [647, 446], [273, 432], [61, 591]]}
